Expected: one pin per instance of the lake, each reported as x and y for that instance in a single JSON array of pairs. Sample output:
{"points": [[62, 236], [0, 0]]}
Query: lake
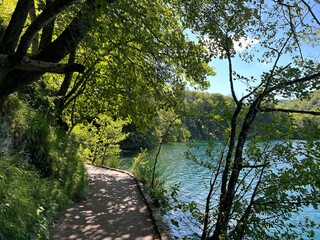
{"points": [[193, 180]]}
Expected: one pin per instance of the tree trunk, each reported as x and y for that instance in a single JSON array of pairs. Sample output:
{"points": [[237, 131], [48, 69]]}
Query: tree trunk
{"points": [[47, 32], [226, 199], [11, 36], [17, 79], [41, 20], [35, 41]]}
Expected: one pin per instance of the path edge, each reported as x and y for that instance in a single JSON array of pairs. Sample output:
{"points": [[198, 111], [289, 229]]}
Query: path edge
{"points": [[155, 214]]}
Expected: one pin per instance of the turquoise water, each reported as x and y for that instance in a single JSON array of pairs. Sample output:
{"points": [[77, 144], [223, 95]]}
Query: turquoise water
{"points": [[193, 181]]}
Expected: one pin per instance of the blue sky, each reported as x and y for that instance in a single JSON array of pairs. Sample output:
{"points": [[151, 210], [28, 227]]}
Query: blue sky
{"points": [[220, 82]]}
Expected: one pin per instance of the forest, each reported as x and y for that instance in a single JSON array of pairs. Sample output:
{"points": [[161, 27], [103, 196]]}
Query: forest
{"points": [[83, 81]]}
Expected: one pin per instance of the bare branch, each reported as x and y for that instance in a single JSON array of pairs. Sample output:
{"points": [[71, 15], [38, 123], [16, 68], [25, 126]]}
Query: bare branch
{"points": [[293, 29], [311, 12], [227, 49], [255, 166]]}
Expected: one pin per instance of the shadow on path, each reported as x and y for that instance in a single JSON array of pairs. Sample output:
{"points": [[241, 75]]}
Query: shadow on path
{"points": [[114, 210]]}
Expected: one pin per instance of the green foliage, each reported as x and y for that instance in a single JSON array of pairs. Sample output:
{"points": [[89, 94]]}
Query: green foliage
{"points": [[40, 175], [29, 204], [156, 130], [6, 9], [101, 140], [306, 124], [291, 165], [133, 69], [142, 169], [207, 115], [168, 127]]}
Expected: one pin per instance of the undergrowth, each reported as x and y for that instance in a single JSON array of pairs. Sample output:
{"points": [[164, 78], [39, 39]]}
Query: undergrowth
{"points": [[159, 193], [41, 173]]}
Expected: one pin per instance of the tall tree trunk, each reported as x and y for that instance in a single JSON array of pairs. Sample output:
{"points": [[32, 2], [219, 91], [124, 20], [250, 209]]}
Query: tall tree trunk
{"points": [[12, 34], [47, 32], [226, 200]]}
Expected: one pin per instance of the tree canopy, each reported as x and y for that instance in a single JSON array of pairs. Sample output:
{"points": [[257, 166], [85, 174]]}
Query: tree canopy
{"points": [[128, 50]]}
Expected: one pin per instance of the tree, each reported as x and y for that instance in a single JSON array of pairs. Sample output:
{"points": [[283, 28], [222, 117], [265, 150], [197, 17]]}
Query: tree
{"points": [[124, 60], [139, 70], [101, 139], [257, 181], [128, 52], [13, 80], [207, 115]]}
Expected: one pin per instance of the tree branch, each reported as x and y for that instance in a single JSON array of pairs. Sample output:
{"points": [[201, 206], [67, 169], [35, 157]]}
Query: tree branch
{"points": [[289, 111], [311, 12], [11, 36], [303, 201], [227, 49], [43, 19], [292, 82], [255, 166], [45, 67], [40, 66], [47, 32]]}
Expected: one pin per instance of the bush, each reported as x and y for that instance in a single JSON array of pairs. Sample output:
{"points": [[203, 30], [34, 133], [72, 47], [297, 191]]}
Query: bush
{"points": [[142, 169], [101, 140]]}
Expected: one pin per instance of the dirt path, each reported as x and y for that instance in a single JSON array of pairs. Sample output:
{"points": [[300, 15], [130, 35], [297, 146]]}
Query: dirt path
{"points": [[114, 210]]}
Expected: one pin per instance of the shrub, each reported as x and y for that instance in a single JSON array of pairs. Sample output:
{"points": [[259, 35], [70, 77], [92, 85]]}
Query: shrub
{"points": [[101, 140], [142, 169]]}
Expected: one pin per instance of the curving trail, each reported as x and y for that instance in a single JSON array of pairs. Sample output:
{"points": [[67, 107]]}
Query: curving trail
{"points": [[115, 210]]}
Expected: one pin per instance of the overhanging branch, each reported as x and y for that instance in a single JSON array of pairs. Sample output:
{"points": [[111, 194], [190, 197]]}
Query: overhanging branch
{"points": [[292, 82], [41, 66], [289, 111], [255, 166]]}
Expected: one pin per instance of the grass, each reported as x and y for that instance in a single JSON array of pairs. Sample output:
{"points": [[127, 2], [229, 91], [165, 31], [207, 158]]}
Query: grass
{"points": [[41, 172]]}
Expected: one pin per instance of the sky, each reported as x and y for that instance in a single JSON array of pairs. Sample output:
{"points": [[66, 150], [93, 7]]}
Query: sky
{"points": [[220, 82]]}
